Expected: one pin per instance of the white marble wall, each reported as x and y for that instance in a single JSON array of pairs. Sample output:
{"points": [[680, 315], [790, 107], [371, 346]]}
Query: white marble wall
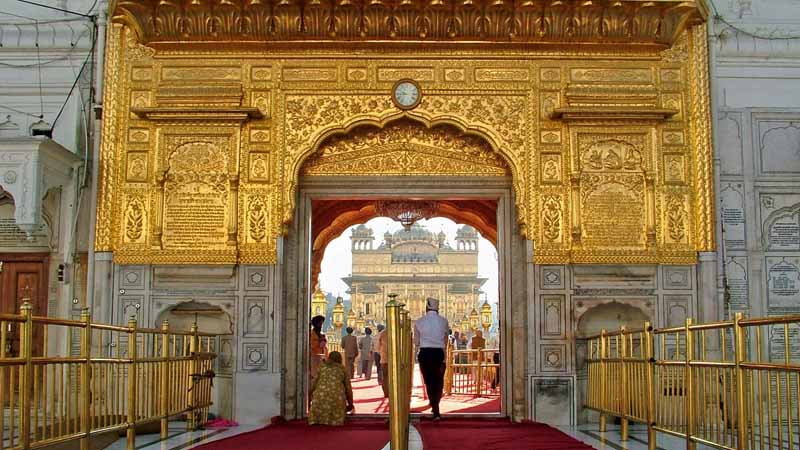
{"points": [[755, 65]]}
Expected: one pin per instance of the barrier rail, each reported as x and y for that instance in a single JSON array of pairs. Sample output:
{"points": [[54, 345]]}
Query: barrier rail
{"points": [[470, 371], [108, 378], [731, 385], [401, 366]]}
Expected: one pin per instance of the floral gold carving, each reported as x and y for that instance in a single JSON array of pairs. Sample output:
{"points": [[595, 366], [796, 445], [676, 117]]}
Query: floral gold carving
{"points": [[259, 166], [416, 74], [405, 148], [551, 218], [257, 219], [137, 166], [564, 21], [134, 220], [492, 74], [676, 219]]}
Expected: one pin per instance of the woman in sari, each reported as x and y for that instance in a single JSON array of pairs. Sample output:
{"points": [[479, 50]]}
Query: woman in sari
{"points": [[331, 393], [318, 344]]}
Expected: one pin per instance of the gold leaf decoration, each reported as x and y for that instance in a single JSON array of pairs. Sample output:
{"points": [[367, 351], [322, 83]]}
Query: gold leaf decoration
{"points": [[257, 215], [551, 218], [134, 220]]}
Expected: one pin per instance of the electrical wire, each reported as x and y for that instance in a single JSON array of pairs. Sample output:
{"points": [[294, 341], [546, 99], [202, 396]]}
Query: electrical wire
{"points": [[21, 112], [720, 18], [54, 8], [77, 78]]}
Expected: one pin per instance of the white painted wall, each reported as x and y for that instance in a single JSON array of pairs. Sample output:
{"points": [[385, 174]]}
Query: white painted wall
{"points": [[756, 104]]}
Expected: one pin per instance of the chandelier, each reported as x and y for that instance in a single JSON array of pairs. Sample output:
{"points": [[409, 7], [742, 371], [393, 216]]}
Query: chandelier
{"points": [[407, 212]]}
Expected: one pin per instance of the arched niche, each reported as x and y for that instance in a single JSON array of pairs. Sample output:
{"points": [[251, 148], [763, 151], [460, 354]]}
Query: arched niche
{"points": [[210, 318]]}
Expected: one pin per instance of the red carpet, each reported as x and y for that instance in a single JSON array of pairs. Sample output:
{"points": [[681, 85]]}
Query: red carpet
{"points": [[298, 435], [494, 434], [368, 399]]}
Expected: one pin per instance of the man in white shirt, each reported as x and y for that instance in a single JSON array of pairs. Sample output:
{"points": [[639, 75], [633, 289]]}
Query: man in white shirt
{"points": [[430, 336]]}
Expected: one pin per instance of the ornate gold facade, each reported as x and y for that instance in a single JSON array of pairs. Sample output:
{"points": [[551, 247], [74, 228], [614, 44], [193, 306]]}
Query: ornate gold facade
{"points": [[600, 114]]}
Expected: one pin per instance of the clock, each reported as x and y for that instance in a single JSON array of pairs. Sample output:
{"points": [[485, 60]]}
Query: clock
{"points": [[406, 94]]}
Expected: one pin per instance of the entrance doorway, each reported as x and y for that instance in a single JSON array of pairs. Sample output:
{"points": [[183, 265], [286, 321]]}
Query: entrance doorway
{"points": [[300, 253], [23, 277], [437, 257]]}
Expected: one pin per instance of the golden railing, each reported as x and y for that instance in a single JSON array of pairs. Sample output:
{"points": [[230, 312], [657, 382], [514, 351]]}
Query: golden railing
{"points": [[107, 378], [401, 365], [470, 371], [731, 385]]}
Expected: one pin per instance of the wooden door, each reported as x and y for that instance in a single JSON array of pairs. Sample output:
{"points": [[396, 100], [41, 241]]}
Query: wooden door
{"points": [[23, 277]]}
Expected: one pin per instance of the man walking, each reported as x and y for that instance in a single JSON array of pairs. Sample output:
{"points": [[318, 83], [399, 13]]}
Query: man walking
{"points": [[430, 336], [350, 347], [365, 350]]}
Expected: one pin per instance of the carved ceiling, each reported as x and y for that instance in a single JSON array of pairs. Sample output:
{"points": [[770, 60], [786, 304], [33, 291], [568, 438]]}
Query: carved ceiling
{"points": [[535, 21], [330, 218]]}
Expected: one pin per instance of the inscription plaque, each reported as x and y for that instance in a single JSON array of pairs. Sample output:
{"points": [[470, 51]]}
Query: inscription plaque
{"points": [[12, 236], [733, 217], [783, 283], [613, 213], [195, 219], [736, 272]]}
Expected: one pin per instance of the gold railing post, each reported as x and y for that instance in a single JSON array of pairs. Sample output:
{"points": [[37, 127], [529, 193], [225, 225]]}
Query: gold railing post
{"points": [[405, 359], [689, 387], [741, 410], [649, 355], [86, 373], [193, 369], [26, 351], [132, 382], [622, 352], [448, 371], [479, 372], [399, 436], [604, 403], [165, 360]]}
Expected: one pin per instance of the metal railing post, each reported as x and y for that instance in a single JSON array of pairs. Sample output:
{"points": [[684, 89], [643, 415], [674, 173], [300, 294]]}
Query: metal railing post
{"points": [[649, 355], [604, 403], [689, 387], [399, 439], [448, 371], [132, 384], [86, 373], [165, 394], [741, 410], [26, 351], [622, 351], [193, 371]]}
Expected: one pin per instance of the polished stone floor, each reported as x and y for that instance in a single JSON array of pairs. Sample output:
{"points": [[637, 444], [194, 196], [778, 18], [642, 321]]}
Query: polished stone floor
{"points": [[180, 439]]}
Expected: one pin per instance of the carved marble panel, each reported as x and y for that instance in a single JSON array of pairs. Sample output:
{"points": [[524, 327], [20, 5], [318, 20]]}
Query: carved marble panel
{"points": [[227, 357], [676, 277], [676, 309], [553, 317], [738, 283], [780, 215], [256, 316], [132, 277], [256, 278], [733, 215], [783, 282], [729, 132], [255, 356], [553, 399], [778, 144], [552, 277], [553, 358], [131, 307]]}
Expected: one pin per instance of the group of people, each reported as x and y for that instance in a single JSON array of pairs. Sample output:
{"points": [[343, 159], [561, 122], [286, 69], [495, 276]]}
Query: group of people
{"points": [[330, 374]]}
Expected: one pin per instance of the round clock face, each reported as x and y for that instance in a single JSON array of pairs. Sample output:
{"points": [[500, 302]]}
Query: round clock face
{"points": [[406, 94]]}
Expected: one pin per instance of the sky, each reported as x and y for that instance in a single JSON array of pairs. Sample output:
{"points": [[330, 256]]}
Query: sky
{"points": [[337, 260]]}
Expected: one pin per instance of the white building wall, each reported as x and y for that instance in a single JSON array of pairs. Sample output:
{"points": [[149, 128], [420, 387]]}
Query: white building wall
{"points": [[755, 64]]}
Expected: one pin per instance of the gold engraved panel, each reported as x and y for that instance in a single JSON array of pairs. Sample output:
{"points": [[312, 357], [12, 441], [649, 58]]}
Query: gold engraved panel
{"points": [[217, 184], [196, 197]]}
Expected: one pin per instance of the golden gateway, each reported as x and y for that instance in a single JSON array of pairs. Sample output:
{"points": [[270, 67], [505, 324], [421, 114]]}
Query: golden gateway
{"points": [[599, 110]]}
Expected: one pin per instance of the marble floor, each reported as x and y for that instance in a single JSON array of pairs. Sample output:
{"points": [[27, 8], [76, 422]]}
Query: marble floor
{"points": [[180, 439]]}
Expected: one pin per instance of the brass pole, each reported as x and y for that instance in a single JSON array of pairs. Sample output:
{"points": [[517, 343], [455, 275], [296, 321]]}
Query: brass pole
{"points": [[739, 349], [604, 403], [132, 378], [86, 373], [193, 369], [649, 369], [26, 350], [398, 441], [623, 365], [689, 385], [165, 380]]}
